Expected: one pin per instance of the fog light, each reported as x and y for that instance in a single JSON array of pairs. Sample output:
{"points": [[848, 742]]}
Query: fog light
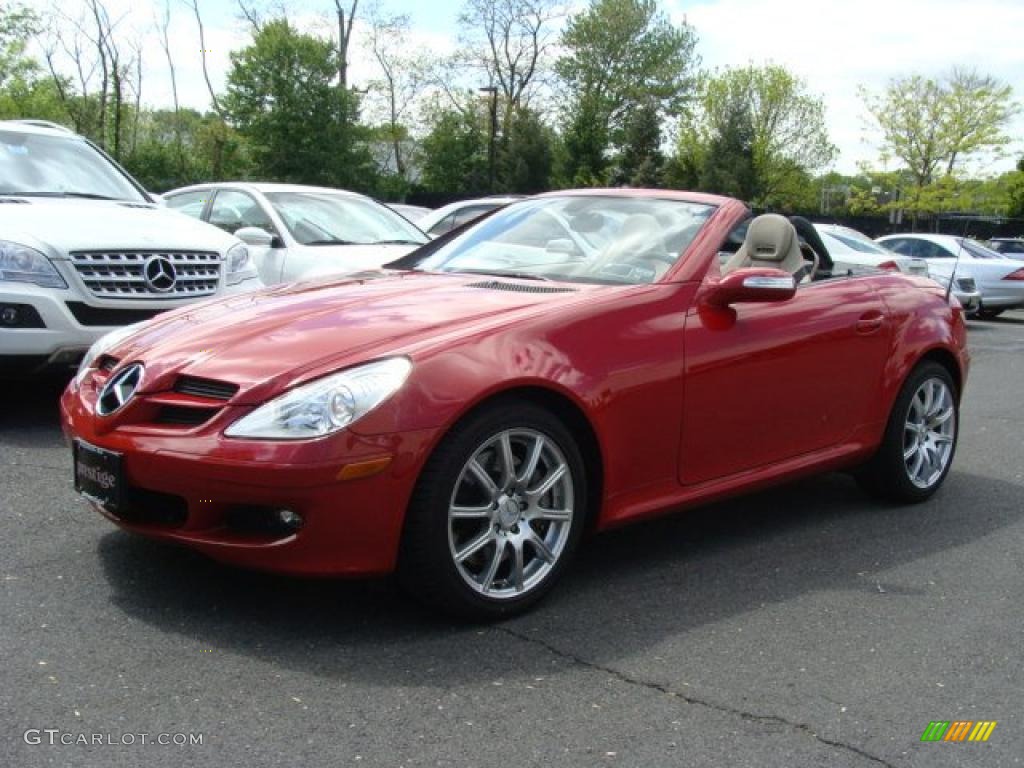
{"points": [[9, 316], [289, 519]]}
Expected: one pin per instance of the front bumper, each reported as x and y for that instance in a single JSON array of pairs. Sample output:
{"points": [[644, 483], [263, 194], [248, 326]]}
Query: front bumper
{"points": [[971, 302], [195, 487]]}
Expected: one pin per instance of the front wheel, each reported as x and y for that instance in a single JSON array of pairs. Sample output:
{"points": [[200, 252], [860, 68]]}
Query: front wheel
{"points": [[920, 438], [496, 515]]}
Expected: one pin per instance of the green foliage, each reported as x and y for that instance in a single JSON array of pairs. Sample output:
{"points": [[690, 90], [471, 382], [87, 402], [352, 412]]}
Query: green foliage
{"points": [[1015, 193], [300, 126], [766, 130], [640, 161], [455, 154], [526, 157], [619, 55], [17, 25]]}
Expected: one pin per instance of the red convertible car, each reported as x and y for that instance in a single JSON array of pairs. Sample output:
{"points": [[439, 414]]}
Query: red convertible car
{"points": [[572, 362]]}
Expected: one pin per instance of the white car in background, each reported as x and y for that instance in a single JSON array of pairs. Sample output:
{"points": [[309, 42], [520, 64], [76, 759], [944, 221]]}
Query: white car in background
{"points": [[447, 218], [84, 250], [850, 248], [301, 232], [412, 212], [999, 280]]}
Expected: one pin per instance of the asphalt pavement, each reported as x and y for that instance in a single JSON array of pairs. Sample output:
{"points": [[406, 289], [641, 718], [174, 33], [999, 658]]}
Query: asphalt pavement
{"points": [[805, 626]]}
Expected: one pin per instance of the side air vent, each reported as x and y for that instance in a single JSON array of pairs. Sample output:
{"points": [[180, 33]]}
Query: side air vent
{"points": [[181, 416], [497, 285], [208, 388]]}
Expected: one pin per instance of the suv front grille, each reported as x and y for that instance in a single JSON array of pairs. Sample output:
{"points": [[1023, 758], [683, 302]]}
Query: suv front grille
{"points": [[129, 274]]}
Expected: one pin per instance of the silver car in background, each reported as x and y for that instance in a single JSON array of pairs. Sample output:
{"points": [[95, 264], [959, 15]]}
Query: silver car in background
{"points": [[999, 280]]}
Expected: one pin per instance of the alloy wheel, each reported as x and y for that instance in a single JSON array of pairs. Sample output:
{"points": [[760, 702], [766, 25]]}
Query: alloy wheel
{"points": [[929, 433]]}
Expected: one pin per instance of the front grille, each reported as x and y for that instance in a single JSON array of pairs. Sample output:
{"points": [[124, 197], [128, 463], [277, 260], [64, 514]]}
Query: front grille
{"points": [[497, 285], [965, 284], [122, 274], [183, 416], [86, 315], [208, 388]]}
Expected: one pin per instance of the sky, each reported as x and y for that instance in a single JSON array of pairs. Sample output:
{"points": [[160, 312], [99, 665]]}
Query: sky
{"points": [[834, 45]]}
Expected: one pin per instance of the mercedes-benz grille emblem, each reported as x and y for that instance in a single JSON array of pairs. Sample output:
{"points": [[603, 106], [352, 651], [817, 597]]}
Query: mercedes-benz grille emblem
{"points": [[119, 390], [159, 274]]}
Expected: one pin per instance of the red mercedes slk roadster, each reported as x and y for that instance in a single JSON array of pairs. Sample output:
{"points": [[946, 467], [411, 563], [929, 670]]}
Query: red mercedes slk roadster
{"points": [[572, 362]]}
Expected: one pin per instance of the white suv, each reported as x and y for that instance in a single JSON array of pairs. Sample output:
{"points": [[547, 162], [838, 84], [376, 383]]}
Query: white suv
{"points": [[83, 250]]}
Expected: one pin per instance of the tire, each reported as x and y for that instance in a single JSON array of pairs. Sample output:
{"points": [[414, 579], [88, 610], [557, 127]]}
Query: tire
{"points": [[989, 314], [920, 439], [481, 543]]}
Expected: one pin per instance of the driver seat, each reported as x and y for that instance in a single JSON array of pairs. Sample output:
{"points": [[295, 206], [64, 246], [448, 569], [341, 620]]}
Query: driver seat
{"points": [[771, 241]]}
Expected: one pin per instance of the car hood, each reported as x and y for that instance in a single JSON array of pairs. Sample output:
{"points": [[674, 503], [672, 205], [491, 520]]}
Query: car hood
{"points": [[59, 225], [269, 340]]}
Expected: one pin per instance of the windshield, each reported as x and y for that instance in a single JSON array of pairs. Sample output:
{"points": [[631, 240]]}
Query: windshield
{"points": [[854, 241], [33, 164], [324, 218], [588, 239]]}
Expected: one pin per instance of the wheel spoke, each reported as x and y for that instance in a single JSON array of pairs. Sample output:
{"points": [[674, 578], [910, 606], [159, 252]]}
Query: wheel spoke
{"points": [[532, 461], [492, 569], [475, 545], [941, 418], [541, 548], [915, 468], [469, 513], [549, 482], [942, 439], [929, 398], [517, 566], [910, 451], [484, 479], [554, 515], [508, 463]]}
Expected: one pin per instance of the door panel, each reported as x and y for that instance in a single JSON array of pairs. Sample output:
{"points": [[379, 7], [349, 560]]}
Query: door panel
{"points": [[768, 382]]}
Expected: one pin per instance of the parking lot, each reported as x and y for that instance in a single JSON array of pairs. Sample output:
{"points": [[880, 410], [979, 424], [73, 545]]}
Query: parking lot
{"points": [[805, 626]]}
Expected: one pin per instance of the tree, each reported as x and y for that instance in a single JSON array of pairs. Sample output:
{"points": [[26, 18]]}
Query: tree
{"points": [[402, 77], [619, 54], [510, 41], [932, 124], [455, 153], [784, 123], [527, 154], [282, 97], [727, 164], [640, 160], [17, 26]]}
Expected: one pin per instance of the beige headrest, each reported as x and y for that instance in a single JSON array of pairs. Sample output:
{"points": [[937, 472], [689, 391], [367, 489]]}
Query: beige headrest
{"points": [[770, 237]]}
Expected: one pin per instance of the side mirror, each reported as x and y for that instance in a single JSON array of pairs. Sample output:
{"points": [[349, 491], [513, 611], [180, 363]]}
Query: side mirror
{"points": [[256, 237], [752, 286]]}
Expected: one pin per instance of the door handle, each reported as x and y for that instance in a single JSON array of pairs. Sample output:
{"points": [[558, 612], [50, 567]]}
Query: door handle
{"points": [[870, 324]]}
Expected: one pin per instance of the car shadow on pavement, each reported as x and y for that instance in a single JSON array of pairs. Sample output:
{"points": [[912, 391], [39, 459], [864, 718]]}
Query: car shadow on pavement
{"points": [[628, 590]]}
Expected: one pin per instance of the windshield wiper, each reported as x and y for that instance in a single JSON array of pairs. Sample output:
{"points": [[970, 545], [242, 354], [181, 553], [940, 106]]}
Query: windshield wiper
{"points": [[399, 242], [84, 195], [332, 241], [505, 273]]}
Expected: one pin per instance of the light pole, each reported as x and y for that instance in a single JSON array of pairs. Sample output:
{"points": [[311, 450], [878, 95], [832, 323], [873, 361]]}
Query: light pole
{"points": [[493, 132]]}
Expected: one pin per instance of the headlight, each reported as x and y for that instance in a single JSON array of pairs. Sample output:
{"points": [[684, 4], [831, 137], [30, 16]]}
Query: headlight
{"points": [[325, 405], [239, 264], [27, 265], [102, 344]]}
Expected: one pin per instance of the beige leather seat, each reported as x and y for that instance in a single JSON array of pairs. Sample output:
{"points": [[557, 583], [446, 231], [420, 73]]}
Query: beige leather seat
{"points": [[771, 241]]}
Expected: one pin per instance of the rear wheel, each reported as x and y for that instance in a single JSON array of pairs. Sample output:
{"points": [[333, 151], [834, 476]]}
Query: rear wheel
{"points": [[989, 314], [920, 438], [496, 515]]}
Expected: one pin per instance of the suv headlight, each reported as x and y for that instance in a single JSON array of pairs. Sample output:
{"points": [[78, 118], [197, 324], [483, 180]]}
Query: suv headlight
{"points": [[102, 344], [27, 265], [325, 405], [239, 264]]}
